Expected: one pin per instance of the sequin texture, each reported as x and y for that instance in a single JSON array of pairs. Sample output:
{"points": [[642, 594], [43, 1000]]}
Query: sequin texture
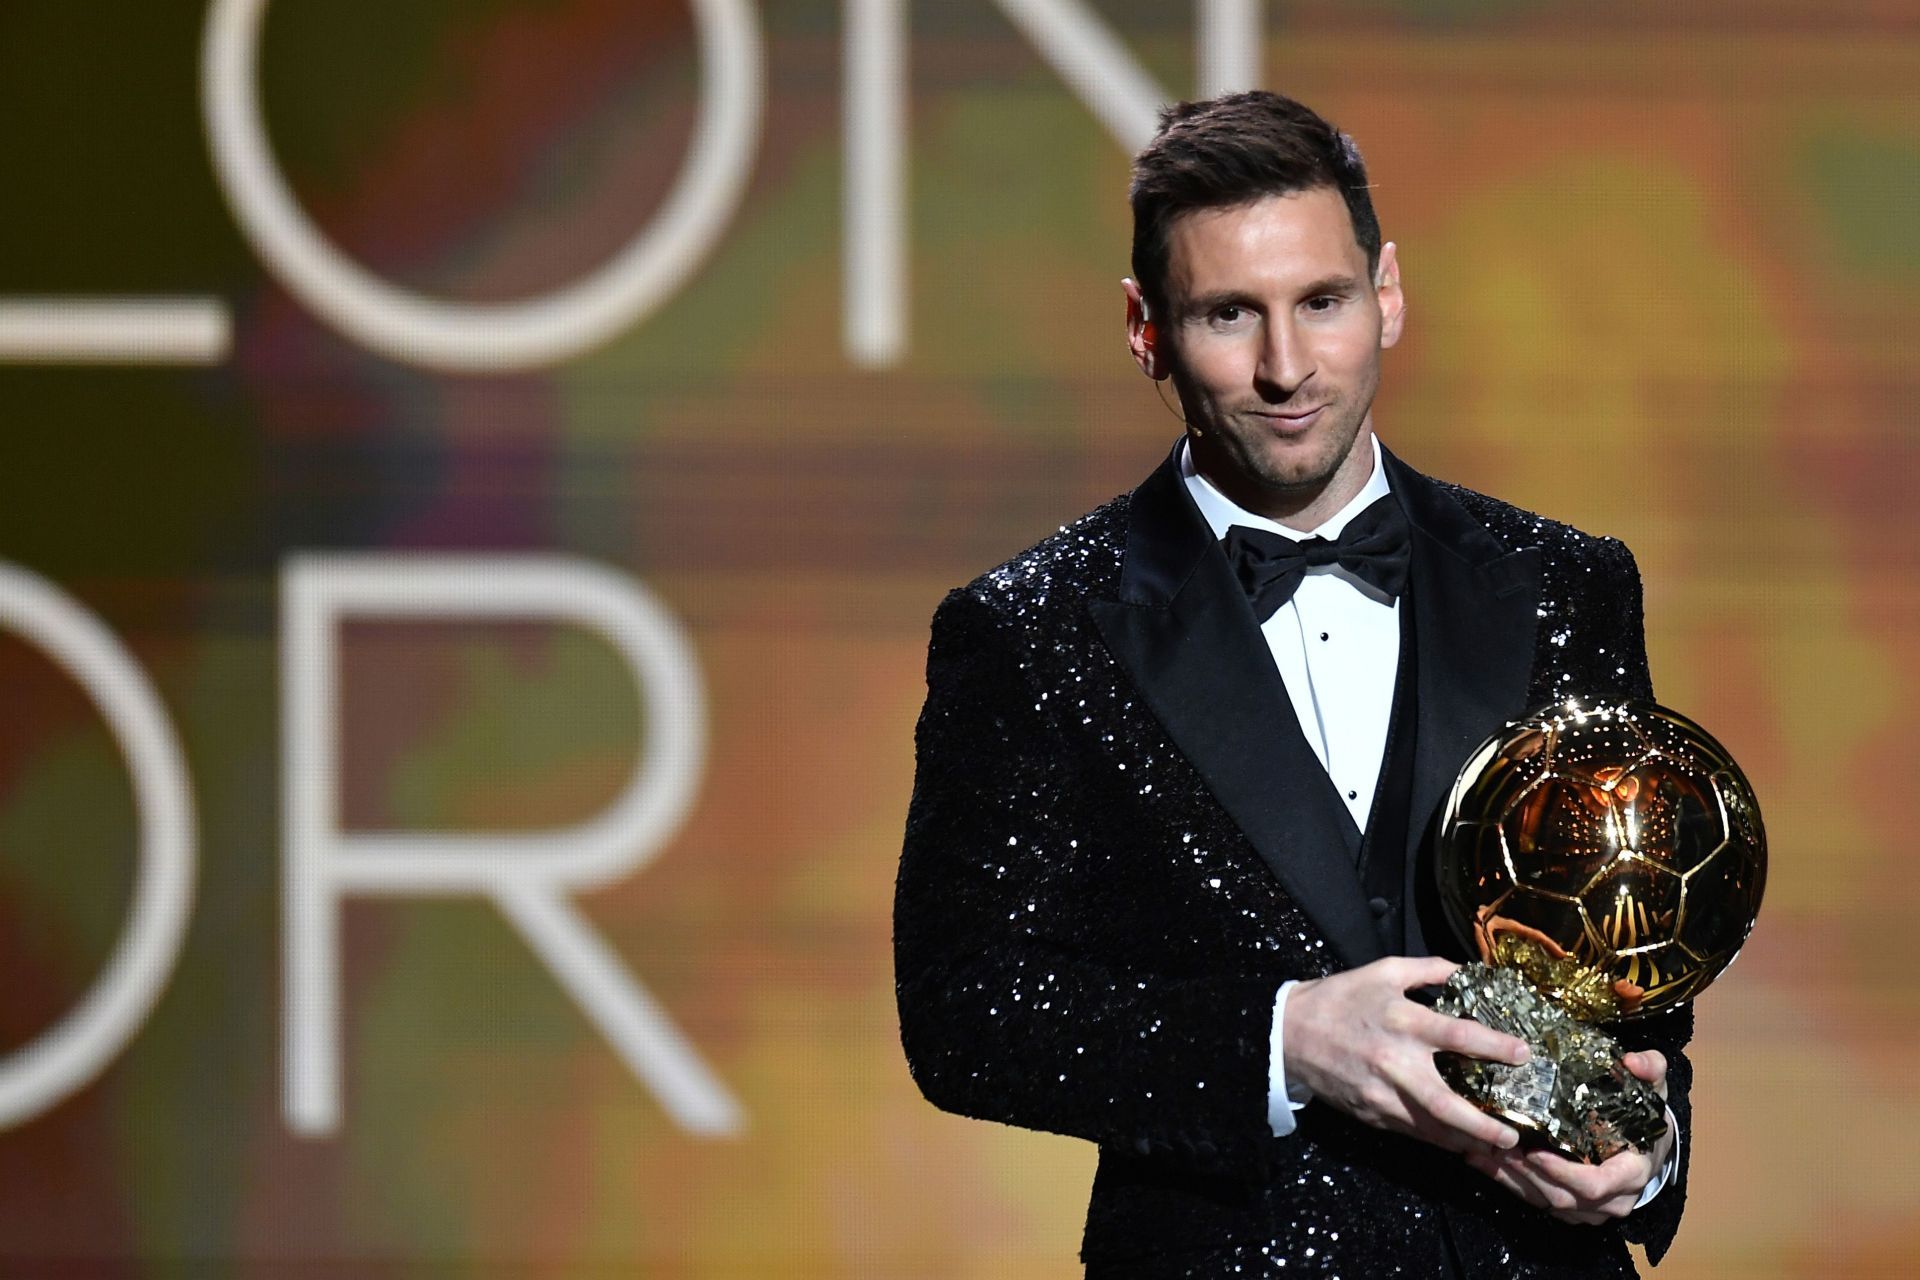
{"points": [[1087, 944]]}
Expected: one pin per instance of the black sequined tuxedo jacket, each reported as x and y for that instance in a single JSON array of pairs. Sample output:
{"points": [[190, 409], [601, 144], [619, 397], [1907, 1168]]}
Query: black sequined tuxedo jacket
{"points": [[1120, 843]]}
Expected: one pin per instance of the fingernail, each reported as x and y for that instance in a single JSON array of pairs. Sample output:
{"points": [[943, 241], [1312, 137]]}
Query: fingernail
{"points": [[1521, 1055]]}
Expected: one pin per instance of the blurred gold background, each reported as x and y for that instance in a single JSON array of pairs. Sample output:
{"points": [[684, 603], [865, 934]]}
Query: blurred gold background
{"points": [[1663, 275]]}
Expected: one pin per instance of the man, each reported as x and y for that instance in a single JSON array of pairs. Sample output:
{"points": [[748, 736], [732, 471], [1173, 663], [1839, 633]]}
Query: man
{"points": [[1166, 870]]}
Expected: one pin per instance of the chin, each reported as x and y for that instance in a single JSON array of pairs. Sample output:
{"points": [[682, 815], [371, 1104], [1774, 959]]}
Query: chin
{"points": [[1297, 482], [1294, 475]]}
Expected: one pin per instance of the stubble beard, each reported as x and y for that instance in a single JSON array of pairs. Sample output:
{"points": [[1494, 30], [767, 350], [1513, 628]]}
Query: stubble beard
{"points": [[1246, 454], [1236, 449]]}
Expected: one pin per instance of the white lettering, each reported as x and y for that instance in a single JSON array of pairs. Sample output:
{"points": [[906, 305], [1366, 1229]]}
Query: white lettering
{"points": [[528, 875], [78, 1047], [433, 334], [1085, 53], [873, 214], [134, 330], [1228, 46]]}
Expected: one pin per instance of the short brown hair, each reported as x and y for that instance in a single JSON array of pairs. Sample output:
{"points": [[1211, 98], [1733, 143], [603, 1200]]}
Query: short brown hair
{"points": [[1232, 150]]}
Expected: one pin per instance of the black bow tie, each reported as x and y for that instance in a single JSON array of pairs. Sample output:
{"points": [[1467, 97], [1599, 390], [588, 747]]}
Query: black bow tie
{"points": [[1373, 547]]}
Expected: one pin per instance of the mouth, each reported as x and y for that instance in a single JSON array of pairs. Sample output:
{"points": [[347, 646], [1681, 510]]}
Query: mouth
{"points": [[1290, 420]]}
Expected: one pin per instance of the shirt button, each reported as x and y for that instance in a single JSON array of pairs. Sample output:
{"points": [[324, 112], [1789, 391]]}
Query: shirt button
{"points": [[1353, 795], [1323, 635]]}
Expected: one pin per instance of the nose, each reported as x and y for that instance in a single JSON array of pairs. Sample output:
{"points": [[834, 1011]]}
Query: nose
{"points": [[1285, 362]]}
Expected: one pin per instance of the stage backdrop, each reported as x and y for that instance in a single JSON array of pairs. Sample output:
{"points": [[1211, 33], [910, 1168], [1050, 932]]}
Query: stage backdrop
{"points": [[476, 474]]}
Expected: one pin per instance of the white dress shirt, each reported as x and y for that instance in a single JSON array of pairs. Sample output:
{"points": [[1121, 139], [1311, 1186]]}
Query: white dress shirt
{"points": [[1336, 643]]}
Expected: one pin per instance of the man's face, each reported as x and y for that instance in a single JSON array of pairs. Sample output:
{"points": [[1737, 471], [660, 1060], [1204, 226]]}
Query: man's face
{"points": [[1273, 342]]}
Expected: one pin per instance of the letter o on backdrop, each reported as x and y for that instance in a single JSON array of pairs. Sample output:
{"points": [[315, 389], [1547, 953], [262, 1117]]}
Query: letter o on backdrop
{"points": [[79, 1046], [497, 337]]}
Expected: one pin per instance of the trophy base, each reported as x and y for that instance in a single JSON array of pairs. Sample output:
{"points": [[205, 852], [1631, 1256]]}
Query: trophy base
{"points": [[1573, 1093]]}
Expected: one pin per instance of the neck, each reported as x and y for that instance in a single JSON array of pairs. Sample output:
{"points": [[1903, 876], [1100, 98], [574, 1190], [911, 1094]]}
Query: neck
{"points": [[1306, 507]]}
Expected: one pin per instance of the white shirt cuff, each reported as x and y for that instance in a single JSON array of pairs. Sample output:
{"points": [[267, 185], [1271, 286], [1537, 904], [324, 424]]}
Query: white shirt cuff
{"points": [[1284, 1099], [1667, 1170]]}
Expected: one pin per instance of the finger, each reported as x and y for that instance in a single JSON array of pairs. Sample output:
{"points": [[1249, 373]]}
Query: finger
{"points": [[1618, 1207], [1580, 1181], [1467, 1037], [1649, 1064], [1408, 972], [1434, 1121], [1503, 1173], [1592, 1184], [1459, 1120], [1515, 1172], [1493, 1163], [1547, 1194], [1432, 1098]]}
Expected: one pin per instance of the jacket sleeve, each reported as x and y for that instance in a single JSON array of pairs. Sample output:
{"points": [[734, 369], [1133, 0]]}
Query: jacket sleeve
{"points": [[1005, 1012], [1623, 637]]}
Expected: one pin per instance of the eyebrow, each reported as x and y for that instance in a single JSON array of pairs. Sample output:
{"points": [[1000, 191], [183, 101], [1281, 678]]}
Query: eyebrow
{"points": [[1206, 302], [1341, 283]]}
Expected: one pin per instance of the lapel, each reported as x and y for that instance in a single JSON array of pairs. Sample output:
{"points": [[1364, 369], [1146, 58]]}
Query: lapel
{"points": [[1181, 627], [1474, 618]]}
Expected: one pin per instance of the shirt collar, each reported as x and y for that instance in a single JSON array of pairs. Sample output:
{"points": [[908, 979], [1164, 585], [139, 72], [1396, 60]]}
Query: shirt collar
{"points": [[1222, 512]]}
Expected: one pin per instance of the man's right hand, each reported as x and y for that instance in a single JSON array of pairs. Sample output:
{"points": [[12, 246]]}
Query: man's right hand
{"points": [[1360, 1045]]}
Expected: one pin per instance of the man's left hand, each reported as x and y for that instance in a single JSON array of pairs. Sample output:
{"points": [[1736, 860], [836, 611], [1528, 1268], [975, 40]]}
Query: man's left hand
{"points": [[1584, 1193]]}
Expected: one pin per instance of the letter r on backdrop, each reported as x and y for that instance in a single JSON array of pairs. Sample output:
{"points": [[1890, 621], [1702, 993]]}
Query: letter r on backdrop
{"points": [[528, 875]]}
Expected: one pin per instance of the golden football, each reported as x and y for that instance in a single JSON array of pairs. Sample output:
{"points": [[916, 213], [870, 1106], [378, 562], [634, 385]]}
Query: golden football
{"points": [[1621, 836]]}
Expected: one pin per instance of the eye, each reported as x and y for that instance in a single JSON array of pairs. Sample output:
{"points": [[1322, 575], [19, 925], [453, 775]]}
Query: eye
{"points": [[1229, 314], [1323, 304]]}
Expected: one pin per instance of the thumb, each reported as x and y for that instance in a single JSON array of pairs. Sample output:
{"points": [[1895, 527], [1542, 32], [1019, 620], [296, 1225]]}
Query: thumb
{"points": [[1649, 1064]]}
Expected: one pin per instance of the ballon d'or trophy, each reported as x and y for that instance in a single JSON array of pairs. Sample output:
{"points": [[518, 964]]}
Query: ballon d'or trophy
{"points": [[1607, 863]]}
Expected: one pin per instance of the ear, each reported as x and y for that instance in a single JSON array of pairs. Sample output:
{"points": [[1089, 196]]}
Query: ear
{"points": [[1393, 300], [1143, 333]]}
